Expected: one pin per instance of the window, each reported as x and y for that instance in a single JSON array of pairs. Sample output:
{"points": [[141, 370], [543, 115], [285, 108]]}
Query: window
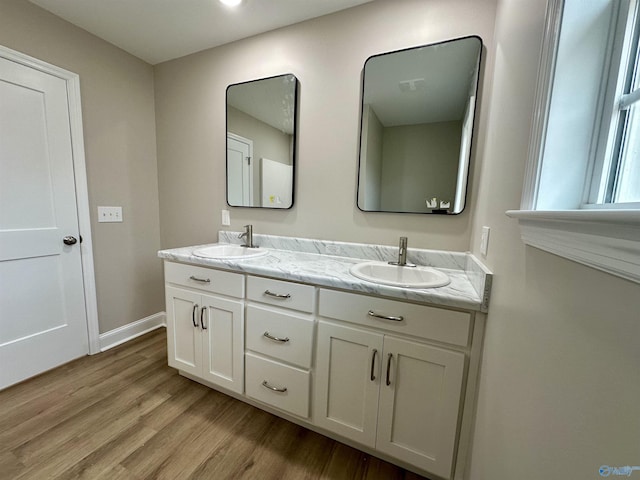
{"points": [[581, 198], [618, 181]]}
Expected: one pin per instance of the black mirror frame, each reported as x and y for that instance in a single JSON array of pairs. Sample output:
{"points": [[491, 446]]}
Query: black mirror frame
{"points": [[294, 153], [473, 128]]}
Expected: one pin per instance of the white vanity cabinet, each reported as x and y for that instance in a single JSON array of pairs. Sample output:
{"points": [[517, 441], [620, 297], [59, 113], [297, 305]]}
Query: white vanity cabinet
{"points": [[205, 323], [279, 341], [393, 377], [397, 395]]}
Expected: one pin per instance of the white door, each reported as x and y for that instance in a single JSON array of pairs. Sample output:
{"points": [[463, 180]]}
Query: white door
{"points": [[348, 381], [42, 308], [419, 404], [239, 171]]}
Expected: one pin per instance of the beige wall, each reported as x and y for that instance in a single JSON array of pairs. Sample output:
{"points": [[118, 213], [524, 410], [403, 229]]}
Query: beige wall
{"points": [[560, 379], [119, 134], [327, 56]]}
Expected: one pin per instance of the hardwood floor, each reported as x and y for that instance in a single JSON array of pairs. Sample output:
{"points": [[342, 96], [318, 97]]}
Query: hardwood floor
{"points": [[124, 414]]}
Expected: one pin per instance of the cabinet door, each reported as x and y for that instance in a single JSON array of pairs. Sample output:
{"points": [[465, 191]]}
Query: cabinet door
{"points": [[184, 340], [348, 381], [419, 404], [223, 346]]}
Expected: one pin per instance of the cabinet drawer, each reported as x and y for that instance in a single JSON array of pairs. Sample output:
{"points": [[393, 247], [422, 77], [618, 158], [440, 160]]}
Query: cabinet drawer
{"points": [[418, 320], [287, 337], [207, 279], [280, 293], [262, 376]]}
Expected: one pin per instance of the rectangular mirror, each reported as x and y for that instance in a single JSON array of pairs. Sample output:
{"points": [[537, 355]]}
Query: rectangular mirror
{"points": [[418, 108], [261, 142]]}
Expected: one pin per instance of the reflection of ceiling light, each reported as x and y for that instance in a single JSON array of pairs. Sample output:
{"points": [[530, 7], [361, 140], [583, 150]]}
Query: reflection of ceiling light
{"points": [[412, 85], [231, 3]]}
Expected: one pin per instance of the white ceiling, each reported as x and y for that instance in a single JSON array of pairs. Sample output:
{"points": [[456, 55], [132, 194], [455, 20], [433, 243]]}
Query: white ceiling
{"points": [[442, 74], [160, 30]]}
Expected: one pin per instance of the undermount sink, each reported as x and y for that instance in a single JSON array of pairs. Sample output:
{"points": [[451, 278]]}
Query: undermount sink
{"points": [[394, 275], [228, 251]]}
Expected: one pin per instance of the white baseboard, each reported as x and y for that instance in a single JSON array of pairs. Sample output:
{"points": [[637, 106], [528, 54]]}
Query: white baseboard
{"points": [[123, 334]]}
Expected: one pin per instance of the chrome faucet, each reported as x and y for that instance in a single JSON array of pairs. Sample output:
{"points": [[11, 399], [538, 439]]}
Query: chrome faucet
{"points": [[248, 236], [402, 254]]}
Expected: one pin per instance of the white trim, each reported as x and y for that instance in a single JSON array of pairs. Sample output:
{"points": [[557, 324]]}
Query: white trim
{"points": [[603, 239], [84, 218], [80, 177], [612, 85], [542, 102], [626, 101], [123, 334]]}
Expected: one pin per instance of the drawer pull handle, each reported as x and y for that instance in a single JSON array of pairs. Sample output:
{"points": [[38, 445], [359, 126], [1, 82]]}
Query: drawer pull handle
{"points": [[265, 384], [203, 280], [204, 309], [277, 295], [389, 368], [399, 318], [275, 339], [373, 364], [193, 315]]}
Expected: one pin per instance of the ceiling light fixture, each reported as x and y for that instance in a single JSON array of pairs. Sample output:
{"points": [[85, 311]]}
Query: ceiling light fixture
{"points": [[231, 3]]}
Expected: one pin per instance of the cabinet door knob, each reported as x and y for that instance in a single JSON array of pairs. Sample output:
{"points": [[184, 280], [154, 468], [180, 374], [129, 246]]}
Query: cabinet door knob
{"points": [[193, 315], [389, 369], [265, 384], [373, 364], [204, 309]]}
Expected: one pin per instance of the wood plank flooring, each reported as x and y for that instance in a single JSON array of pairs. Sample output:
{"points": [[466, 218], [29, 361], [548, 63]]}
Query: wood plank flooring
{"points": [[124, 414]]}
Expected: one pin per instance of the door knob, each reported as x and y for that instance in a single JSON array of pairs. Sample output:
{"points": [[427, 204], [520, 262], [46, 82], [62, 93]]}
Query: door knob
{"points": [[70, 240]]}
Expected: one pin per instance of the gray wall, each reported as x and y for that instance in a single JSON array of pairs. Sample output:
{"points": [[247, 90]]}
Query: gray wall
{"points": [[560, 381], [327, 56], [419, 162], [120, 146]]}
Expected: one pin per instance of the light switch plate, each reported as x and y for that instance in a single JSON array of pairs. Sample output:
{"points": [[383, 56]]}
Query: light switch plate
{"points": [[109, 214]]}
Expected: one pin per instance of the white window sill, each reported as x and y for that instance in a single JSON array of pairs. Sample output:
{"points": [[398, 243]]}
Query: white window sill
{"points": [[608, 240]]}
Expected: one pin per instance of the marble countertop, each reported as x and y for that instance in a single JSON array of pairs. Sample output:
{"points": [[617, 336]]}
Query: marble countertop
{"points": [[333, 271]]}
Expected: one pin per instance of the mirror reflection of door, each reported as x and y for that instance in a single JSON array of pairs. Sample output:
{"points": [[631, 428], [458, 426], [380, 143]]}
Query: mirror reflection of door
{"points": [[263, 111], [239, 170]]}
